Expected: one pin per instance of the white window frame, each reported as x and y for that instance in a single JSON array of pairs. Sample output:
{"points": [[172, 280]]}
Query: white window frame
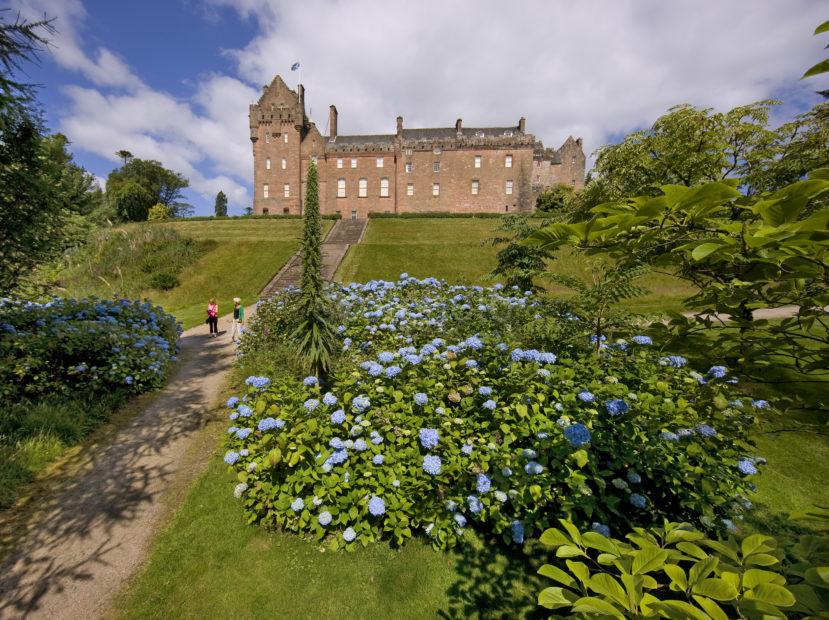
{"points": [[362, 188], [265, 190], [409, 167], [435, 189], [267, 163], [353, 162], [478, 160], [380, 162], [267, 138], [340, 188], [410, 189], [284, 164], [436, 166], [339, 163], [286, 190], [476, 187], [508, 161], [508, 188], [384, 187], [285, 137]]}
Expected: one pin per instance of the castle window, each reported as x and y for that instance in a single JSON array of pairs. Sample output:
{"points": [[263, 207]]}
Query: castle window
{"points": [[574, 159], [285, 138], [436, 167], [379, 162], [267, 138], [340, 188], [410, 189], [265, 190], [362, 188], [265, 211], [475, 186], [435, 189], [508, 133], [384, 188], [477, 161], [573, 182], [339, 163], [284, 163], [408, 152], [408, 166], [268, 163], [286, 190], [508, 188], [508, 161], [353, 162], [436, 150]]}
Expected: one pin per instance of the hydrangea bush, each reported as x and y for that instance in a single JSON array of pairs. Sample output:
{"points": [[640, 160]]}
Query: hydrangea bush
{"points": [[437, 421], [90, 345]]}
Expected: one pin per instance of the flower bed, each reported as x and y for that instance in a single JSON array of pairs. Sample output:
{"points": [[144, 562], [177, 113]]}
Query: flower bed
{"points": [[86, 345], [425, 429]]}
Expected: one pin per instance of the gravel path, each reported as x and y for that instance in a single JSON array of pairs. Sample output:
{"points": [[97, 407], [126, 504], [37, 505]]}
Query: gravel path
{"points": [[95, 532]]}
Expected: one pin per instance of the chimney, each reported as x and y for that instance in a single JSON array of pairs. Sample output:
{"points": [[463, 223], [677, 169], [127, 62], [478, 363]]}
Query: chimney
{"points": [[332, 123], [522, 123], [399, 126], [458, 124]]}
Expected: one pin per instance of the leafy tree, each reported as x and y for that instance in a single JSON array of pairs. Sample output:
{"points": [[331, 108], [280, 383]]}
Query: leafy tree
{"points": [[159, 212], [555, 199], [160, 185], [315, 335], [124, 155], [220, 208], [132, 202], [518, 264], [248, 210]]}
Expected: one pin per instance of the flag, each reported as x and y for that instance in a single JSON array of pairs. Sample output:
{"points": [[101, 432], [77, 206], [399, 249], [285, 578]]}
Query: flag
{"points": [[295, 66]]}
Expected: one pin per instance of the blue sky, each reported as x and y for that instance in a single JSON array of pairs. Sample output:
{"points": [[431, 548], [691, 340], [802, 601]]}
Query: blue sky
{"points": [[171, 80]]}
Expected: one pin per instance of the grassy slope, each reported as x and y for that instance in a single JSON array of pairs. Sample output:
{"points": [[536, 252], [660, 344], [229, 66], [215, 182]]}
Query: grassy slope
{"points": [[452, 249]]}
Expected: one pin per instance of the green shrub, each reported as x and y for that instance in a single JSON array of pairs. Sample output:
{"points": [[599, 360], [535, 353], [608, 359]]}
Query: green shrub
{"points": [[433, 214], [627, 437], [164, 281], [675, 571]]}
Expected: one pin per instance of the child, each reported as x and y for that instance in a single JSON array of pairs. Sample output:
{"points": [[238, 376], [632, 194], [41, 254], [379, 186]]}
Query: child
{"points": [[213, 318], [238, 319]]}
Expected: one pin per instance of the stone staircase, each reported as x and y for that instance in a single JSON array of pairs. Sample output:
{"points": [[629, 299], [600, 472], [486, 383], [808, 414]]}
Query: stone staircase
{"points": [[343, 234]]}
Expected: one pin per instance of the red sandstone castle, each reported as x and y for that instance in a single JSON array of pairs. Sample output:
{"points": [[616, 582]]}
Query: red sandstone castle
{"points": [[456, 169]]}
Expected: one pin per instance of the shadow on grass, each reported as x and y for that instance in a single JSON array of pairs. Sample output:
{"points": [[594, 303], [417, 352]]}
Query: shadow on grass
{"points": [[494, 581]]}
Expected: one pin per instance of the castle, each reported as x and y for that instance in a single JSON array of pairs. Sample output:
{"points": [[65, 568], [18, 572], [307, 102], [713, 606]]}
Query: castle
{"points": [[456, 169]]}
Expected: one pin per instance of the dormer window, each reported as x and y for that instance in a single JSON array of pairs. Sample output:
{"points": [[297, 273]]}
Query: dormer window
{"points": [[508, 133], [436, 150]]}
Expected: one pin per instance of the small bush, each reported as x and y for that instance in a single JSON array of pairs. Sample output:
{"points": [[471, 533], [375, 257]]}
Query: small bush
{"points": [[164, 281], [434, 214]]}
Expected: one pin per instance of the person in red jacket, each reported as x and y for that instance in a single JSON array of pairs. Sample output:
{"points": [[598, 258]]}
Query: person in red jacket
{"points": [[213, 318]]}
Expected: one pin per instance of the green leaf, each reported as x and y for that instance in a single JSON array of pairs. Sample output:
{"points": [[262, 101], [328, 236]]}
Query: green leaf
{"points": [[755, 576], [693, 550], [595, 605], [580, 570], [679, 610], [568, 551], [818, 576], [702, 569], [556, 574], [824, 27], [757, 543], [648, 559], [711, 608], [761, 559], [554, 538], [603, 583], [718, 589], [821, 67], [677, 575], [555, 597], [704, 249], [596, 541], [581, 458], [572, 530], [772, 594]]}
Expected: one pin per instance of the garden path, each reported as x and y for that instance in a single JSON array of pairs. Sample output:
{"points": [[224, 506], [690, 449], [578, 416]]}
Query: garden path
{"points": [[93, 534]]}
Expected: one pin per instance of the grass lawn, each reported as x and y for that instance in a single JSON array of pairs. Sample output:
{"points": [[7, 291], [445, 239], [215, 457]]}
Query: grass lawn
{"points": [[454, 250]]}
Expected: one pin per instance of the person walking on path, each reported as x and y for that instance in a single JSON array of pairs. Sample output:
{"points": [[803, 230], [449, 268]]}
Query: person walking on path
{"points": [[213, 318], [238, 319]]}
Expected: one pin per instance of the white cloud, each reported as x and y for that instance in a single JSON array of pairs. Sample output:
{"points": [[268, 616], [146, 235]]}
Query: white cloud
{"points": [[590, 68]]}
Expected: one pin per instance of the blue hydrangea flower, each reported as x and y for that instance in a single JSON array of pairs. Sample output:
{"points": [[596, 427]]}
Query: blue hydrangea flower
{"points": [[329, 399], [376, 506], [428, 438], [392, 371], [451, 505], [760, 404], [600, 528], [466, 449], [360, 445], [231, 457], [460, 519], [485, 390], [421, 399], [258, 383], [643, 340], [577, 434], [471, 364], [633, 477], [349, 534], [338, 417], [705, 430], [718, 372], [297, 505], [747, 467], [483, 484], [586, 397], [311, 404], [506, 472], [490, 404], [638, 501], [669, 436], [376, 438], [245, 411], [533, 468], [616, 406], [431, 464], [324, 518], [675, 361], [517, 531], [684, 432], [475, 505], [310, 380], [378, 459], [232, 402], [361, 403], [385, 357], [267, 424]]}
